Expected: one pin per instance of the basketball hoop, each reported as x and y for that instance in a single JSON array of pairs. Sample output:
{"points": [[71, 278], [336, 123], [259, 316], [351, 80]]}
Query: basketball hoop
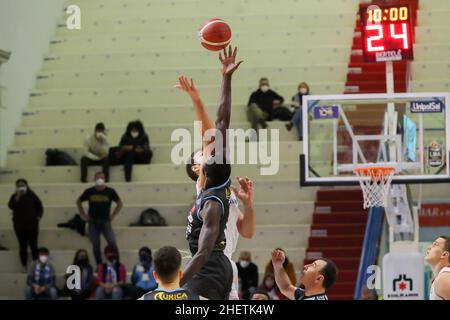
{"points": [[375, 180]]}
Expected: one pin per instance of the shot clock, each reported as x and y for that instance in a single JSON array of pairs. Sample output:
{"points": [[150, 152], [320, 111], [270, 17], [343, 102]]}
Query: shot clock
{"points": [[387, 33]]}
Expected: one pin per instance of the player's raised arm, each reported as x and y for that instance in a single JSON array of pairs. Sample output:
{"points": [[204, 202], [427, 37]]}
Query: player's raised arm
{"points": [[201, 114], [246, 223], [281, 277], [229, 66], [212, 213]]}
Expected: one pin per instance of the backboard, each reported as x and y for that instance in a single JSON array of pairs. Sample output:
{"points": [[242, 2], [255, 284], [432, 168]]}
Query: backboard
{"points": [[409, 130]]}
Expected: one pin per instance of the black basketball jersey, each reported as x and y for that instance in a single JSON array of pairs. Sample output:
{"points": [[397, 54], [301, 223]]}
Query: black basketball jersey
{"points": [[220, 194], [300, 295], [177, 294]]}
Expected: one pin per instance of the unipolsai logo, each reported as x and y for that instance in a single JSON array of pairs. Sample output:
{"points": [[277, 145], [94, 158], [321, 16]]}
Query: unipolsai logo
{"points": [[431, 106]]}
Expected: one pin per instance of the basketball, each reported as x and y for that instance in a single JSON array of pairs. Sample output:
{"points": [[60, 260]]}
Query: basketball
{"points": [[215, 34]]}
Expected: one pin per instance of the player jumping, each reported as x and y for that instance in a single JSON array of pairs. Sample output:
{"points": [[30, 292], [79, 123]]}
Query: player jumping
{"points": [[209, 273], [239, 223]]}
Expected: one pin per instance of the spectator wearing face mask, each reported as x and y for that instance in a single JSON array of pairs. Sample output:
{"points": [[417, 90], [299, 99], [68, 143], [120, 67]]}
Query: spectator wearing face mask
{"points": [[296, 104], [142, 277], [261, 105], [287, 265], [95, 152], [134, 148], [81, 260], [111, 276], [27, 212], [41, 279], [248, 274], [269, 285], [99, 218]]}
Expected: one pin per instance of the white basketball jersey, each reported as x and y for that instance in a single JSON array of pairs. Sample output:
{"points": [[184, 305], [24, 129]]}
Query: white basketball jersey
{"points": [[231, 231], [433, 294]]}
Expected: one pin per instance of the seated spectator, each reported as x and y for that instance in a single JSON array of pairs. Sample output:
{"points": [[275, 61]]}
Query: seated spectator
{"points": [[168, 274], [95, 152], [111, 276], [99, 216], [41, 279], [27, 212], [134, 148], [287, 265], [296, 104], [142, 277], [247, 273], [261, 105], [81, 260], [260, 295], [269, 285]]}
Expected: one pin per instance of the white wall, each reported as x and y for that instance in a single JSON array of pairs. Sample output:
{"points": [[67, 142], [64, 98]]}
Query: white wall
{"points": [[26, 27]]}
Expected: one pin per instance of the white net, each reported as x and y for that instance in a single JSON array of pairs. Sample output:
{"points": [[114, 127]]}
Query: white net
{"points": [[375, 181]]}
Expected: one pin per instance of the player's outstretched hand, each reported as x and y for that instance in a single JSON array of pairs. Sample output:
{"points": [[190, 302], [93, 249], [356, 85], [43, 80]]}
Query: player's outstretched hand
{"points": [[228, 61], [245, 192], [188, 86], [278, 258]]}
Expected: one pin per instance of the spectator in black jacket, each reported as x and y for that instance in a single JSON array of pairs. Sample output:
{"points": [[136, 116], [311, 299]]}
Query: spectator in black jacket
{"points": [[134, 148], [27, 211], [262, 103], [247, 273], [81, 260]]}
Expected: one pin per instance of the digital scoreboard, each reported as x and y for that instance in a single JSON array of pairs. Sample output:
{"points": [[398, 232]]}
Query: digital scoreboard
{"points": [[387, 33]]}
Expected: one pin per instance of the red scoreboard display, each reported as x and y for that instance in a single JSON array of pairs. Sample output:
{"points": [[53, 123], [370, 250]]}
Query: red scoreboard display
{"points": [[387, 33]]}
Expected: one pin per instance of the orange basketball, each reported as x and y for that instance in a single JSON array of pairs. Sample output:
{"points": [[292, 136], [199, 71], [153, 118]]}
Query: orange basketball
{"points": [[215, 34]]}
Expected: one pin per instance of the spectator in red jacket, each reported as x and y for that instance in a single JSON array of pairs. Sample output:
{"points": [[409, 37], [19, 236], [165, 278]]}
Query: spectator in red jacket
{"points": [[27, 211], [111, 276]]}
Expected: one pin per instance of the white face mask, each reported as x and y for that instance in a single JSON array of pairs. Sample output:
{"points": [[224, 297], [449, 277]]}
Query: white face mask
{"points": [[244, 264], [43, 259], [265, 88], [22, 189], [303, 91], [100, 135], [134, 134], [100, 182]]}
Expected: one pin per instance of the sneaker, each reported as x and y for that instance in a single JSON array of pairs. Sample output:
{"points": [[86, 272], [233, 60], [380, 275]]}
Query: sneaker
{"points": [[289, 126]]}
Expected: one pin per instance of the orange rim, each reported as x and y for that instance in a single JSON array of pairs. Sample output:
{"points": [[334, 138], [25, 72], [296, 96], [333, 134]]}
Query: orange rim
{"points": [[377, 170], [376, 174]]}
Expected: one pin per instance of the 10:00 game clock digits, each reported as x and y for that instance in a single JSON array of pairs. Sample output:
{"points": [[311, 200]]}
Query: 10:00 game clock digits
{"points": [[386, 33]]}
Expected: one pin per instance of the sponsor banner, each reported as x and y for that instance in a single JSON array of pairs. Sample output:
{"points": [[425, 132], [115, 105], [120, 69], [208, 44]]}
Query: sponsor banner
{"points": [[434, 215], [326, 112], [395, 55], [435, 156], [403, 276], [427, 106]]}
